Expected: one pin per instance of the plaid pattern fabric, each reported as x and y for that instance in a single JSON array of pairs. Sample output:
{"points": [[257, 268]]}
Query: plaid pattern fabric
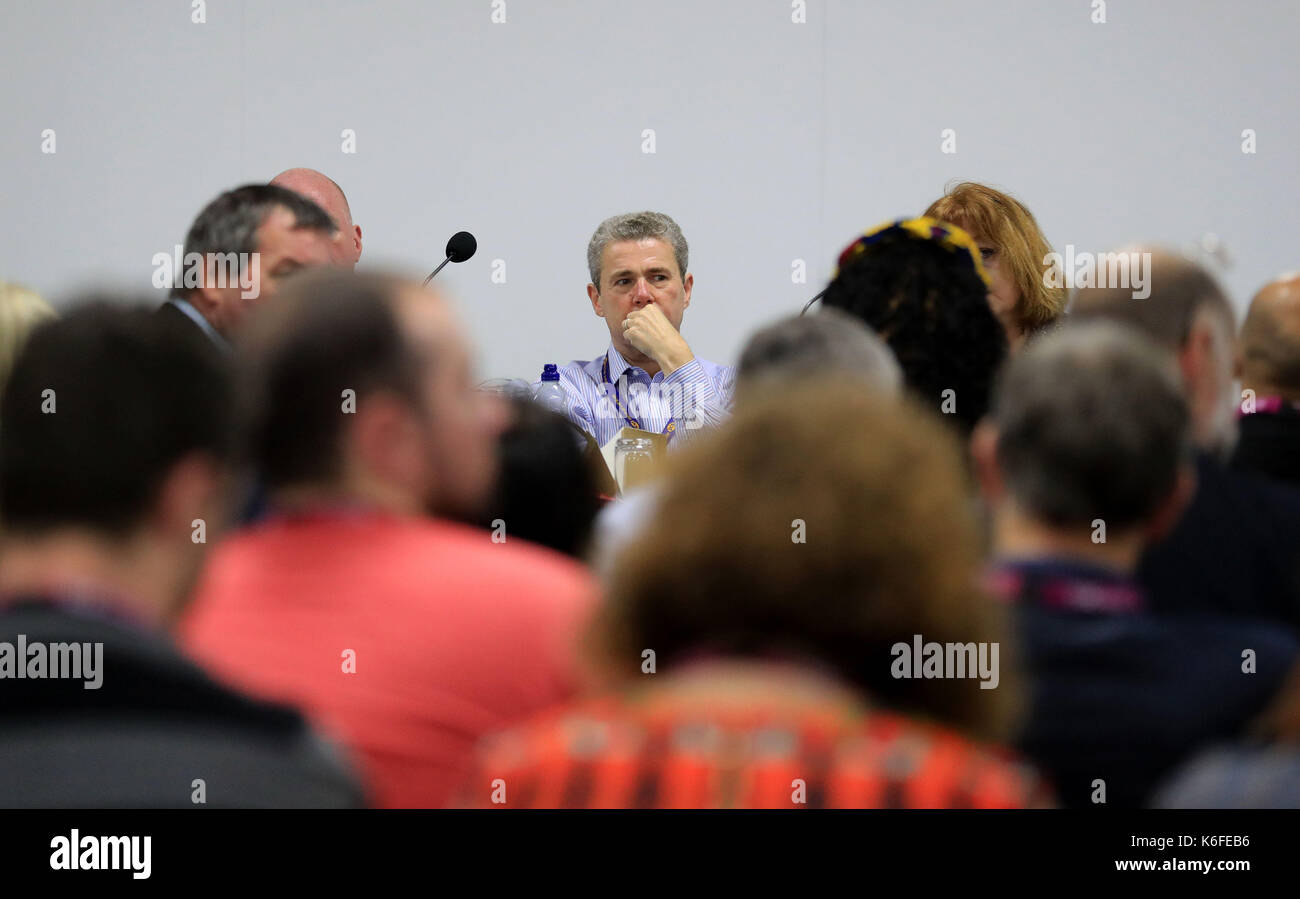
{"points": [[608, 754]]}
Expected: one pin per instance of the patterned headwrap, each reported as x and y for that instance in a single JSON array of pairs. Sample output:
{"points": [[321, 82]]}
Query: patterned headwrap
{"points": [[950, 237]]}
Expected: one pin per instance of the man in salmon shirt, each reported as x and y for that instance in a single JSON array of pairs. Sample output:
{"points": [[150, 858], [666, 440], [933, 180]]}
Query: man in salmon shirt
{"points": [[357, 599]]}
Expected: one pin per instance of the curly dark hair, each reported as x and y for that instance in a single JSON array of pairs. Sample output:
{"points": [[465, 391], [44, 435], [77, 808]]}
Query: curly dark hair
{"points": [[890, 552], [931, 308]]}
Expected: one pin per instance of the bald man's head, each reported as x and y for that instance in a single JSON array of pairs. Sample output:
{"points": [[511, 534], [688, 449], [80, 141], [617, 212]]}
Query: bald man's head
{"points": [[1180, 290], [1270, 340], [326, 193], [1187, 313]]}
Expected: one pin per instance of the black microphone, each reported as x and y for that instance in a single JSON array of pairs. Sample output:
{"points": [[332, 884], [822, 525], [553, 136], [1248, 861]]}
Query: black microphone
{"points": [[808, 305], [461, 246]]}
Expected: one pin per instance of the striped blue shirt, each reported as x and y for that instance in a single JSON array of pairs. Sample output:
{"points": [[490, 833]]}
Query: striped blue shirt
{"points": [[694, 397]]}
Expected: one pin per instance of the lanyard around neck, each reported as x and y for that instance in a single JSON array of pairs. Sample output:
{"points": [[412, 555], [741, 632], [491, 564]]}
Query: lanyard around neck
{"points": [[605, 378]]}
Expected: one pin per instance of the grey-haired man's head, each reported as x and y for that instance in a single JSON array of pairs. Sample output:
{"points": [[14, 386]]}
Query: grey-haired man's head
{"points": [[250, 239], [636, 260], [636, 226], [827, 343], [1089, 424]]}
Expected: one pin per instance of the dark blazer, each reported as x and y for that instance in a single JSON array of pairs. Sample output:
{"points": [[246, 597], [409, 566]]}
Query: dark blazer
{"points": [[181, 327], [155, 725], [1236, 550], [1126, 696], [1269, 445]]}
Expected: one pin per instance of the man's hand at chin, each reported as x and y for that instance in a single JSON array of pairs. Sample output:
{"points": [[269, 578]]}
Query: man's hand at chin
{"points": [[650, 331]]}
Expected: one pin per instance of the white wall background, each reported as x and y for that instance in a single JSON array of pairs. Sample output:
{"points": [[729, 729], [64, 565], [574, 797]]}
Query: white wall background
{"points": [[775, 141]]}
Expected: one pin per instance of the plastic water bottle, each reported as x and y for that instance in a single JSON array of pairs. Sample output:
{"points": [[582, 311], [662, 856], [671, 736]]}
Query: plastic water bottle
{"points": [[549, 392]]}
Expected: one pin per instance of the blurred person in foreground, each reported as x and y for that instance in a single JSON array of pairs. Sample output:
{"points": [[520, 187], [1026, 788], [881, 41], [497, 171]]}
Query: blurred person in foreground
{"points": [[1261, 769], [1085, 459], [1237, 547], [828, 344], [21, 310], [249, 239], [824, 344], [115, 451], [920, 285], [817, 532], [1249, 777], [345, 246], [1269, 415], [357, 598], [1013, 251], [547, 492]]}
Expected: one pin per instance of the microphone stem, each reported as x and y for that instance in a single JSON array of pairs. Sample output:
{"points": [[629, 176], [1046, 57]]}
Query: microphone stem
{"points": [[807, 305], [436, 270]]}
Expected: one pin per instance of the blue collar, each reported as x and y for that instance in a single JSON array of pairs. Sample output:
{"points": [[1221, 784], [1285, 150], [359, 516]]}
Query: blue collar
{"points": [[618, 365], [196, 316]]}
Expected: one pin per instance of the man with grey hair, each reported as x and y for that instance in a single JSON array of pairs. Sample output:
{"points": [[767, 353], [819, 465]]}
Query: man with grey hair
{"points": [[268, 233], [1085, 458], [648, 377], [827, 342], [345, 247], [1237, 548]]}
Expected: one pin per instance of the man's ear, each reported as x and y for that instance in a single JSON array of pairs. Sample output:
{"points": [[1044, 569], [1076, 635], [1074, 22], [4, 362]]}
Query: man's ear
{"points": [[688, 282], [1198, 351], [189, 490], [984, 454], [1171, 508], [593, 294], [385, 440], [356, 239]]}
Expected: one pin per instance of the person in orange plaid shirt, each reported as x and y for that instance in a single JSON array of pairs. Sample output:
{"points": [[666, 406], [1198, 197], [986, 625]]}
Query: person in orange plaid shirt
{"points": [[750, 639]]}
